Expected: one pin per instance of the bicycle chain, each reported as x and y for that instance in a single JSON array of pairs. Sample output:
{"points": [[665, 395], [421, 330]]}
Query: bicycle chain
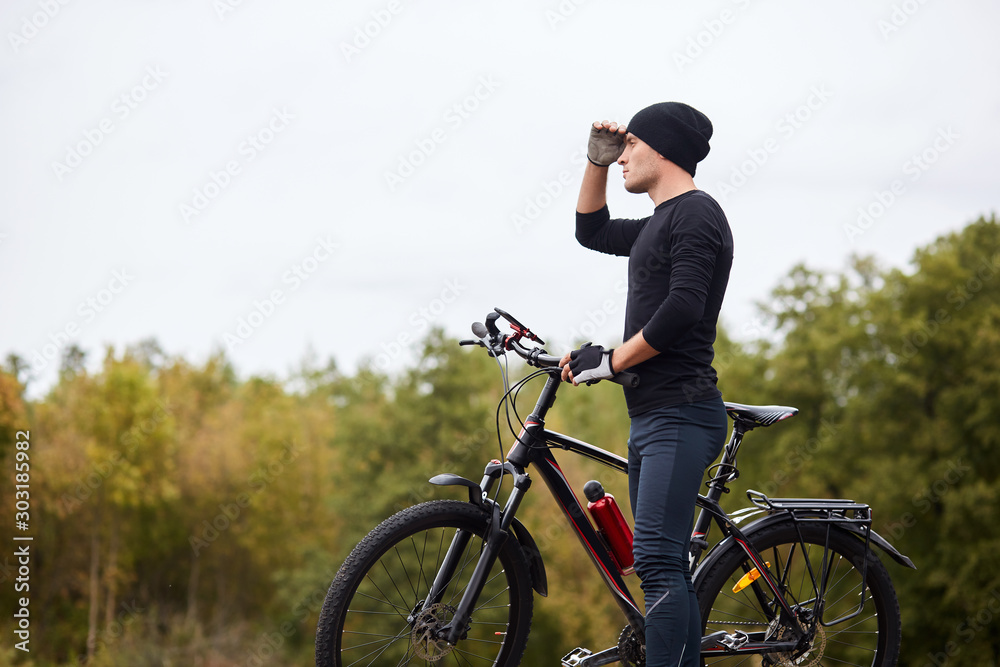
{"points": [[734, 622], [785, 660], [631, 651]]}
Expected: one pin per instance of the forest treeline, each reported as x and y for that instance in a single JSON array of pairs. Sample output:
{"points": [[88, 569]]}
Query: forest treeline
{"points": [[183, 515]]}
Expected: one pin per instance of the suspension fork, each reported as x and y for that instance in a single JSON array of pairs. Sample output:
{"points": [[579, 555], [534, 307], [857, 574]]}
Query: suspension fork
{"points": [[517, 460], [445, 572], [496, 537]]}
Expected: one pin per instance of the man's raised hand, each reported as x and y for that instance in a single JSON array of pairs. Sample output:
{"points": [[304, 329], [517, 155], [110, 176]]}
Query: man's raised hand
{"points": [[607, 142]]}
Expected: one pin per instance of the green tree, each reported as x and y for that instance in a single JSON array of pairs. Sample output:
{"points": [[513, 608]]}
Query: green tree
{"points": [[189, 515], [895, 373]]}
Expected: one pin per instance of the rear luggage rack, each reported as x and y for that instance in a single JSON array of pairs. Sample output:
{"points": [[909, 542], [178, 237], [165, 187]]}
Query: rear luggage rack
{"points": [[814, 509]]}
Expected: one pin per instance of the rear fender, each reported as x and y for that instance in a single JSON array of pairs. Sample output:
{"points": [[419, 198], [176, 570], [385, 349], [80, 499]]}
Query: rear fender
{"points": [[881, 543], [770, 520]]}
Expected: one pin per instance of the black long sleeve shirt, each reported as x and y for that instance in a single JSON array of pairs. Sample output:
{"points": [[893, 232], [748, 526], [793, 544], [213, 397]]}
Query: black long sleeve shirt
{"points": [[679, 263]]}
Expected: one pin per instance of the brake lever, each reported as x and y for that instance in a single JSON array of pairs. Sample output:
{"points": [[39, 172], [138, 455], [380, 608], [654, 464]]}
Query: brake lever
{"points": [[487, 338], [491, 324]]}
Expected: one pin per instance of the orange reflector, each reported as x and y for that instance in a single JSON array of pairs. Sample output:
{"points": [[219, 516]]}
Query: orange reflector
{"points": [[748, 578]]}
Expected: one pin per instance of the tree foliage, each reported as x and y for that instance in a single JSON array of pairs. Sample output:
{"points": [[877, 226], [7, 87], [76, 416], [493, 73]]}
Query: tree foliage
{"points": [[186, 515]]}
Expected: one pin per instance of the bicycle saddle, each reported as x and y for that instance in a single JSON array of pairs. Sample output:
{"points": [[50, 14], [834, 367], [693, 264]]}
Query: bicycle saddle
{"points": [[759, 415]]}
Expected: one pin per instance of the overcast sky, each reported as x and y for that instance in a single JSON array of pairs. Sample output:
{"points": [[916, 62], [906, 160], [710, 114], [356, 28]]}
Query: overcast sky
{"points": [[272, 177]]}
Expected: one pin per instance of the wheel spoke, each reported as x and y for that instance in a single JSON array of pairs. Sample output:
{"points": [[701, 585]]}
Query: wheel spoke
{"points": [[392, 579], [804, 565], [376, 653], [386, 621], [385, 599]]}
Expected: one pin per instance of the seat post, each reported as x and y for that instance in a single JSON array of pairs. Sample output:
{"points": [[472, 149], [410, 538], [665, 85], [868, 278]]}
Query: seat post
{"points": [[727, 465], [716, 487]]}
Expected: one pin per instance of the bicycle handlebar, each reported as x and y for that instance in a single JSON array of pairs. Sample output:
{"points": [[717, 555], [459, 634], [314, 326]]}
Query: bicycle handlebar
{"points": [[498, 343], [536, 356]]}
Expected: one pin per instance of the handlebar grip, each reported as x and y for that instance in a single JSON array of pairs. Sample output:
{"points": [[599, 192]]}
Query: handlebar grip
{"points": [[626, 379]]}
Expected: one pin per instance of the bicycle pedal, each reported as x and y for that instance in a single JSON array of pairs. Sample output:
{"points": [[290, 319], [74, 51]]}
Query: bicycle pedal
{"points": [[575, 657], [724, 640]]}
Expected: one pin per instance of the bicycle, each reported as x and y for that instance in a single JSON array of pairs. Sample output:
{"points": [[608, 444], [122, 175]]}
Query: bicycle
{"points": [[452, 582]]}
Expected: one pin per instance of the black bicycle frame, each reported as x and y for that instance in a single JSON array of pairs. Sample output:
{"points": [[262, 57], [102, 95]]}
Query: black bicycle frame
{"points": [[535, 445], [545, 463]]}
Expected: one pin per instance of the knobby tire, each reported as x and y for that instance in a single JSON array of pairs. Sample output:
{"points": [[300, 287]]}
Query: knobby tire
{"points": [[870, 639], [367, 618]]}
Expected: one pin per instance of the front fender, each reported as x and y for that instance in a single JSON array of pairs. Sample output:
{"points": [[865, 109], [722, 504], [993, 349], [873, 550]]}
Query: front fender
{"points": [[536, 566]]}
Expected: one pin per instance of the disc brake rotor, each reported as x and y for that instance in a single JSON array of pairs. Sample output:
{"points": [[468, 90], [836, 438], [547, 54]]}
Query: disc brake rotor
{"points": [[426, 645], [810, 658]]}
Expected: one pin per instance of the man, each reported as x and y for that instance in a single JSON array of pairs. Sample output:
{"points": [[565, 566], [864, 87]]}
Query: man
{"points": [[679, 263]]}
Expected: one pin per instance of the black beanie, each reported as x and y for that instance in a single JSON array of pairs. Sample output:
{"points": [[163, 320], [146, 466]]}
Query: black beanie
{"points": [[676, 131]]}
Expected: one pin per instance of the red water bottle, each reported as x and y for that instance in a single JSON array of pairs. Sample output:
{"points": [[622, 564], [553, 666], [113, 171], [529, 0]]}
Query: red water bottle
{"points": [[611, 525]]}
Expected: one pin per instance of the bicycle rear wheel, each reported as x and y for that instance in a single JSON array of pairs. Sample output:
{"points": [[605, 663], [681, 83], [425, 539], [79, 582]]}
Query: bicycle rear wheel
{"points": [[374, 612], [870, 638]]}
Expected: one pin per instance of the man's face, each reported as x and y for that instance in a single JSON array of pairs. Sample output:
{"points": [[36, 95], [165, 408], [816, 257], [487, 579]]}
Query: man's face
{"points": [[640, 165]]}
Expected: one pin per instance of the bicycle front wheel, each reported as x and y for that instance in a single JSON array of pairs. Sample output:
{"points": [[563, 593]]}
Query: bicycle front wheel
{"points": [[377, 612], [846, 633]]}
